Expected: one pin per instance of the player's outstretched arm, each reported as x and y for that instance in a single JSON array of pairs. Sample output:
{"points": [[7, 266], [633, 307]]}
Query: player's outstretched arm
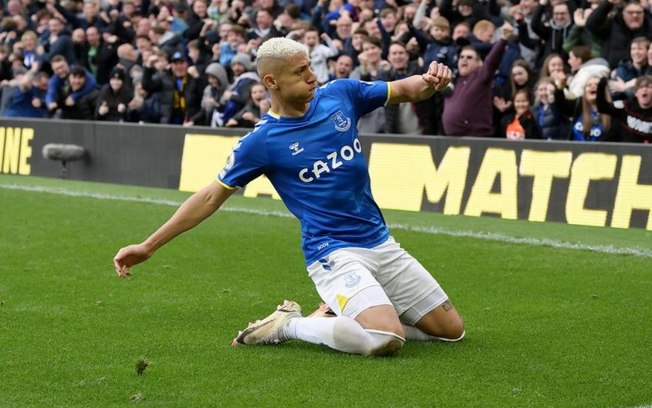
{"points": [[419, 87], [194, 210]]}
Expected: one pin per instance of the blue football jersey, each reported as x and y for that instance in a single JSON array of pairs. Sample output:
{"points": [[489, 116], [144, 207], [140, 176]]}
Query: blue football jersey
{"points": [[315, 163]]}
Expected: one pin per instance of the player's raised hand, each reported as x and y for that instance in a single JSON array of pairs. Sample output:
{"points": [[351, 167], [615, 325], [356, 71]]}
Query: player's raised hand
{"points": [[128, 257], [438, 76]]}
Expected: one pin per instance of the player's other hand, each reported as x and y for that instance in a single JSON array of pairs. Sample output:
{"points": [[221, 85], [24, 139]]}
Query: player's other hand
{"points": [[438, 76], [129, 256]]}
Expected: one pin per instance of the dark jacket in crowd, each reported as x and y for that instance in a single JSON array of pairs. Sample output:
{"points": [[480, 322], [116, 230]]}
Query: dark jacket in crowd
{"points": [[392, 111], [613, 33], [633, 122], [179, 99]]}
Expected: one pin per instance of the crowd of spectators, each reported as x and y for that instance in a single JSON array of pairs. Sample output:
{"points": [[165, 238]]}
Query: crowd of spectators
{"points": [[547, 69]]}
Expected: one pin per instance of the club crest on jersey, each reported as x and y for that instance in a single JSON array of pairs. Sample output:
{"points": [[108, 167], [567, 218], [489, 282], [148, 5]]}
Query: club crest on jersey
{"points": [[296, 149], [342, 123], [351, 279]]}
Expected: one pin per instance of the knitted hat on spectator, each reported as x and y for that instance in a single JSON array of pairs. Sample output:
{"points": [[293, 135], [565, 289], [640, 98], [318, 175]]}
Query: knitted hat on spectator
{"points": [[244, 60], [118, 73]]}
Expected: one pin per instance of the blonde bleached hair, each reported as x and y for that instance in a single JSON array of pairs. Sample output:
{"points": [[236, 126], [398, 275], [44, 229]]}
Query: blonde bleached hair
{"points": [[277, 49]]}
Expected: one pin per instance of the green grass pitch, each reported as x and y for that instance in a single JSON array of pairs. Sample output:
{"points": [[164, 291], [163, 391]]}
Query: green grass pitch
{"points": [[556, 315]]}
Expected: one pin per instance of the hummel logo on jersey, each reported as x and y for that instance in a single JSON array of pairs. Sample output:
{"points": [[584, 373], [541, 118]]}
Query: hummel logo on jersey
{"points": [[296, 149], [342, 123], [334, 160]]}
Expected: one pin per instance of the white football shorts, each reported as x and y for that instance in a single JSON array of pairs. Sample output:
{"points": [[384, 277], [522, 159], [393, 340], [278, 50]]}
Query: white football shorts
{"points": [[348, 280]]}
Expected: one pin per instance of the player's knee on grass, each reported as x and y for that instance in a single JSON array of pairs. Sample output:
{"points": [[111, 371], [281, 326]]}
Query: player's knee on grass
{"points": [[453, 330], [444, 323]]}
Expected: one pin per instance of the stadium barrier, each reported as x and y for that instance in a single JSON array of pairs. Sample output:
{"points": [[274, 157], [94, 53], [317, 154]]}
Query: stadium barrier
{"points": [[595, 184]]}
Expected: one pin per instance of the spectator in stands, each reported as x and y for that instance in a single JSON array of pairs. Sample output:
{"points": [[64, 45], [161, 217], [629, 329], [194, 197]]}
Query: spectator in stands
{"points": [[343, 32], [144, 108], [143, 27], [180, 93], [56, 41], [127, 56], [229, 46], [199, 58], [290, 16], [435, 43], [263, 27], [519, 123], [28, 43], [473, 87], [197, 18], [256, 107], [237, 94], [58, 83], [556, 30], [179, 15], [521, 77], [386, 22], [583, 67], [114, 98], [628, 70], [83, 107], [551, 65], [319, 53], [482, 36], [163, 37], [529, 41], [370, 60], [343, 67], [616, 27], [580, 35], [408, 117], [5, 63], [552, 124], [461, 34], [211, 104], [634, 116], [80, 45], [90, 16], [587, 124], [457, 11], [28, 98], [102, 54], [272, 5]]}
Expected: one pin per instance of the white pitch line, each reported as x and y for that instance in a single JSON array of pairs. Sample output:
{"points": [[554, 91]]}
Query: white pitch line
{"points": [[487, 236]]}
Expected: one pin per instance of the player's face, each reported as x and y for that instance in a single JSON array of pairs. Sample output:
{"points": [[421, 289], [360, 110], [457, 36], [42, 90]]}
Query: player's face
{"points": [[398, 57], [372, 52], [521, 103], [520, 75], [468, 62], [115, 83], [544, 91], [296, 81], [638, 52], [258, 93], [60, 69], [555, 64], [644, 95], [591, 89], [77, 82], [633, 16]]}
